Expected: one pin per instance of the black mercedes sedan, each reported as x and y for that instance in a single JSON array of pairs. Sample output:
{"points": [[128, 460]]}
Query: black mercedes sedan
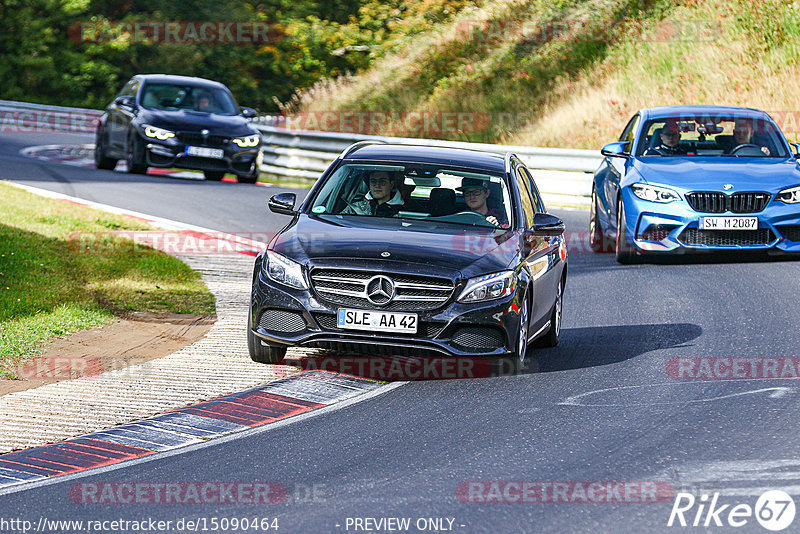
{"points": [[412, 250], [158, 120]]}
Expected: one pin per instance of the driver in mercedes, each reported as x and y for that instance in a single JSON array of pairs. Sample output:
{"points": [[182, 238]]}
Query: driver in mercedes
{"points": [[383, 199], [476, 192]]}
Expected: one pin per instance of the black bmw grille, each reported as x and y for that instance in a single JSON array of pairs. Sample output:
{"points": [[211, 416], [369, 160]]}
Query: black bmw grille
{"points": [[715, 202], [196, 162], [790, 231], [197, 139], [282, 321], [716, 238], [345, 287], [471, 338]]}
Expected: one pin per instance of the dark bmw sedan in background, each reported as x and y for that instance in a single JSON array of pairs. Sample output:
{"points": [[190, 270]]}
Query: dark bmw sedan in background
{"points": [[176, 121], [412, 250]]}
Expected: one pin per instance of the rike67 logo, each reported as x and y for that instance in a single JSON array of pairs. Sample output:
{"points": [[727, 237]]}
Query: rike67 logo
{"points": [[774, 510]]}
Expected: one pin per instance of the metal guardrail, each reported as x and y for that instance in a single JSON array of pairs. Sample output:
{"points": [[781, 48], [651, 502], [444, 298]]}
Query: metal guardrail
{"points": [[43, 118], [303, 155], [561, 174]]}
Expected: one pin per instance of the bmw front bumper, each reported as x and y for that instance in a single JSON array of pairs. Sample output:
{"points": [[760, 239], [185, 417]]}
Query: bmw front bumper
{"points": [[675, 227], [235, 160]]}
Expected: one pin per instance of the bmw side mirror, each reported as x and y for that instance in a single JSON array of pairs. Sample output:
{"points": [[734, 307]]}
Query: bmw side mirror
{"points": [[618, 149], [546, 224], [248, 113], [283, 203], [796, 149]]}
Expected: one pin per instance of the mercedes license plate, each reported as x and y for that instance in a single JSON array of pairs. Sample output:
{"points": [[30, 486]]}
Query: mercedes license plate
{"points": [[377, 321]]}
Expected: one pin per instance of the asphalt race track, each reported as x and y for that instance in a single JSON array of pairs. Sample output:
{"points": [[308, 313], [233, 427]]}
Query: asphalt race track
{"points": [[610, 404]]}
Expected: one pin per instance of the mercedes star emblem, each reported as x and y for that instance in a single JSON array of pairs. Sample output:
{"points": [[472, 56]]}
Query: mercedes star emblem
{"points": [[380, 290], [727, 187]]}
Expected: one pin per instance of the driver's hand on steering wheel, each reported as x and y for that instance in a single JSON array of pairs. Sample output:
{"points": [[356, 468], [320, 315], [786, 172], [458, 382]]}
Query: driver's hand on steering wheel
{"points": [[492, 219], [765, 150]]}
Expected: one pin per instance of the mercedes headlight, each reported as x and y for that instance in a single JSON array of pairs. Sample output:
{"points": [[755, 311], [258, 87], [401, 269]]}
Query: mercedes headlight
{"points": [[285, 271], [157, 133], [654, 193], [489, 287], [790, 196], [246, 142]]}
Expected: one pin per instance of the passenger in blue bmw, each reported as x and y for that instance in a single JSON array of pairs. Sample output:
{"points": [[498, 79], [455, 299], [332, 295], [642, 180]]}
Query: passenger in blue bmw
{"points": [[670, 136], [476, 192], [382, 199]]}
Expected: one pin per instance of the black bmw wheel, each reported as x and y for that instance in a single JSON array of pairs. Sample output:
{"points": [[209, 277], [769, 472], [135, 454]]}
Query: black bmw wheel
{"points": [[258, 352], [135, 156], [101, 161]]}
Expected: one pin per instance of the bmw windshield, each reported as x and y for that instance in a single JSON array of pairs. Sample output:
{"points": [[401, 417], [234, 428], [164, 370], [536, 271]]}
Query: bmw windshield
{"points": [[173, 97], [707, 135]]}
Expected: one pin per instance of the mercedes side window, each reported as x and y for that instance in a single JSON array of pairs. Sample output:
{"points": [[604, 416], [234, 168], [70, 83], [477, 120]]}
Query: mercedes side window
{"points": [[538, 204], [525, 196]]}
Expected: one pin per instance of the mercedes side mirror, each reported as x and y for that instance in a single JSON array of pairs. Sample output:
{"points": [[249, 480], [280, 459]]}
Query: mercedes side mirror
{"points": [[546, 224], [283, 203], [126, 101], [618, 149]]}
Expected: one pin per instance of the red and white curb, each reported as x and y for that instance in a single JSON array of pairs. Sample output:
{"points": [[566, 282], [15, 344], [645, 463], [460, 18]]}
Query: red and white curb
{"points": [[216, 365], [182, 427]]}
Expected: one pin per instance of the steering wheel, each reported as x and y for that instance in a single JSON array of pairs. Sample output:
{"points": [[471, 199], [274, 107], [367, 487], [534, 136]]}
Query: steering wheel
{"points": [[746, 145], [475, 215]]}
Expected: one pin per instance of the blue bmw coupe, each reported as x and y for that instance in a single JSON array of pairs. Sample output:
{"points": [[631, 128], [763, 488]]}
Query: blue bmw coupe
{"points": [[696, 178]]}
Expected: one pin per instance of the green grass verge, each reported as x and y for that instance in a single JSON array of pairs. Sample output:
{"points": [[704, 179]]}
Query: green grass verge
{"points": [[50, 286]]}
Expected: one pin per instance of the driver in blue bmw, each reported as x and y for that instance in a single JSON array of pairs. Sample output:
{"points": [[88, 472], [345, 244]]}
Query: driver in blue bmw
{"points": [[743, 135], [383, 199], [476, 192]]}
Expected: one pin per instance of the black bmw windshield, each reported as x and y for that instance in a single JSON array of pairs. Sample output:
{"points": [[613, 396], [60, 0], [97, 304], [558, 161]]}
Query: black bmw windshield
{"points": [[174, 97]]}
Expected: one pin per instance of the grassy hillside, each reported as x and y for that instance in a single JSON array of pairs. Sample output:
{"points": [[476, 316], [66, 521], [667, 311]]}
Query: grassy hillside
{"points": [[571, 72]]}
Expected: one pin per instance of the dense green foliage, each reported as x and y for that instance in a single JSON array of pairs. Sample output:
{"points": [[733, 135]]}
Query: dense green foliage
{"points": [[46, 56]]}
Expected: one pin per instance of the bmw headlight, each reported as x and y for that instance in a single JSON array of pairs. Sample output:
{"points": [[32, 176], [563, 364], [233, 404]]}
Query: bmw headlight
{"points": [[285, 271], [157, 133], [247, 142], [790, 196], [489, 287], [654, 193]]}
